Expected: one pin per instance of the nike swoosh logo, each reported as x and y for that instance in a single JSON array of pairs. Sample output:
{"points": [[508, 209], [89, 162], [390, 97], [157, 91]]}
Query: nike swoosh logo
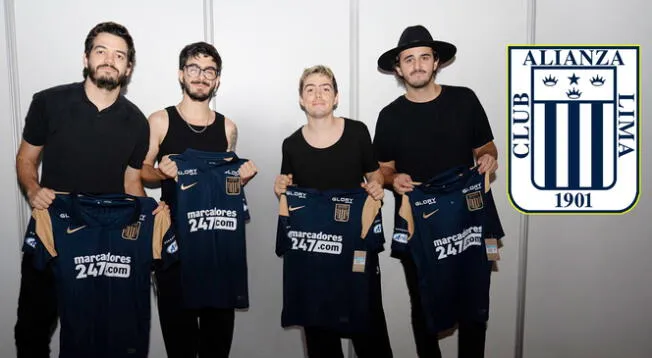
{"points": [[186, 187], [296, 208], [425, 216], [72, 231]]}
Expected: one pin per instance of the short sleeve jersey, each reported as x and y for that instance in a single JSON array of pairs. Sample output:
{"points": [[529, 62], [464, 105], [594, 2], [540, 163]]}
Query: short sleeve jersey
{"points": [[443, 225], [209, 217], [340, 166], [85, 150], [329, 241], [425, 139], [101, 250]]}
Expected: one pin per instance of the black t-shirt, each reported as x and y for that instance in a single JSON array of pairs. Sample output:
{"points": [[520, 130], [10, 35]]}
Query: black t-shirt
{"points": [[340, 166], [425, 139], [85, 150]]}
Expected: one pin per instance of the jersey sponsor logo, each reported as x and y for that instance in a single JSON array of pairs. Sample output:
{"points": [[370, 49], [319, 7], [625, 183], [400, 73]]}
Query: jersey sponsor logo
{"points": [[293, 208], [231, 172], [130, 232], [232, 185], [400, 237], [474, 201], [186, 187], [107, 265], [213, 219], [342, 212], [425, 216], [456, 244], [173, 247], [213, 223], [212, 212], [64, 216], [318, 242], [187, 172], [428, 201], [70, 230], [297, 194], [342, 200], [477, 186], [574, 133], [30, 241]]}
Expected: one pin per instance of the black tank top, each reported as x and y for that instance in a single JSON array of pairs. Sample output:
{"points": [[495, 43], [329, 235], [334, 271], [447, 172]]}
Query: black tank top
{"points": [[180, 137]]}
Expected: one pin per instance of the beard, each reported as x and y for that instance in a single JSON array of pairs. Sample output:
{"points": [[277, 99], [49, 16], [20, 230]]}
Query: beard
{"points": [[418, 83], [107, 83], [199, 97]]}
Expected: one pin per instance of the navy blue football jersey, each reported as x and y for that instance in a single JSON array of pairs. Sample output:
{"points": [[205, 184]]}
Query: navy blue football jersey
{"points": [[443, 225], [329, 242], [101, 250], [210, 215]]}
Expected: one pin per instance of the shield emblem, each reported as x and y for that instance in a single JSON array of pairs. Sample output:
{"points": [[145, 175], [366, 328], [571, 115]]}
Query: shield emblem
{"points": [[342, 212], [131, 232], [474, 201], [232, 185]]}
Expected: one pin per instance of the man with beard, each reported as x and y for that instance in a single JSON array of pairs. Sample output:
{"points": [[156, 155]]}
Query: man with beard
{"points": [[191, 124], [92, 139], [421, 134]]}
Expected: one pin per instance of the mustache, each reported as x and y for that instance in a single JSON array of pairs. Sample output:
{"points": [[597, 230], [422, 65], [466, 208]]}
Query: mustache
{"points": [[207, 84], [107, 65], [417, 71]]}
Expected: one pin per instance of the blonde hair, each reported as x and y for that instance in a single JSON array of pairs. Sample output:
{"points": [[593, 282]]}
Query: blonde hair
{"points": [[318, 69]]}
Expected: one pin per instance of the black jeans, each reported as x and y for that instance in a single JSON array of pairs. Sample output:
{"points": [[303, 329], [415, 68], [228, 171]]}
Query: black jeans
{"points": [[37, 311], [471, 335], [207, 332]]}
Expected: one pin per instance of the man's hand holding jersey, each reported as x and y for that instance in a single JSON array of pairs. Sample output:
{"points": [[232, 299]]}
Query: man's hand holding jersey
{"points": [[281, 184], [247, 171]]}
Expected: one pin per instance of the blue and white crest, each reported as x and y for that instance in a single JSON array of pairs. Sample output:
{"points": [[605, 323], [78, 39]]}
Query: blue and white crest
{"points": [[173, 247], [573, 128]]}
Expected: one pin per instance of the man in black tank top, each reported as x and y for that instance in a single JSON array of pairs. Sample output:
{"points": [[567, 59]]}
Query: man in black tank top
{"points": [[190, 124]]}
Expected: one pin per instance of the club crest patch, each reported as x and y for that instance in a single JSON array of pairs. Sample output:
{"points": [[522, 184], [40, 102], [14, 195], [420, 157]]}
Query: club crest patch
{"points": [[573, 130], [474, 201], [131, 232], [232, 185], [342, 212]]}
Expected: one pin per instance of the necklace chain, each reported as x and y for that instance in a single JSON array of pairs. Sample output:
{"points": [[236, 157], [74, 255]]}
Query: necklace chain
{"points": [[198, 131]]}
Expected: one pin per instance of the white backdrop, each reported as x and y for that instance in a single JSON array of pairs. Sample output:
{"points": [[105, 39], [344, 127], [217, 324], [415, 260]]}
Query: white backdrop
{"points": [[588, 282]]}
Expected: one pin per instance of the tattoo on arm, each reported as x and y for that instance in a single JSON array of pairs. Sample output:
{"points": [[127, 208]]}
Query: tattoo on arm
{"points": [[233, 139]]}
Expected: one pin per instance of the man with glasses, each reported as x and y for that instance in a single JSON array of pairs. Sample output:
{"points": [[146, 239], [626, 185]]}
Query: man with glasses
{"points": [[191, 124]]}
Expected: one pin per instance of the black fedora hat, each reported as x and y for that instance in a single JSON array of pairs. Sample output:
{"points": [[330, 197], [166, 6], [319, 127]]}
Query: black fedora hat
{"points": [[415, 36]]}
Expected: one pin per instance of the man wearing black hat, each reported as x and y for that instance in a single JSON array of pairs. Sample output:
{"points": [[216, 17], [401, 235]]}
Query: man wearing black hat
{"points": [[423, 133]]}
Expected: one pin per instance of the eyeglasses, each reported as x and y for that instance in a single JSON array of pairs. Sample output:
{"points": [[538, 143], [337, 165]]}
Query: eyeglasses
{"points": [[193, 70]]}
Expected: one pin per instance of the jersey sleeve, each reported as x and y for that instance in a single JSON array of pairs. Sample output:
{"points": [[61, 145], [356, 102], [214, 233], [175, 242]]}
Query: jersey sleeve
{"points": [[481, 129], [36, 124], [142, 145], [283, 227], [403, 228], [39, 239], [165, 248], [372, 225], [369, 161], [493, 228]]}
